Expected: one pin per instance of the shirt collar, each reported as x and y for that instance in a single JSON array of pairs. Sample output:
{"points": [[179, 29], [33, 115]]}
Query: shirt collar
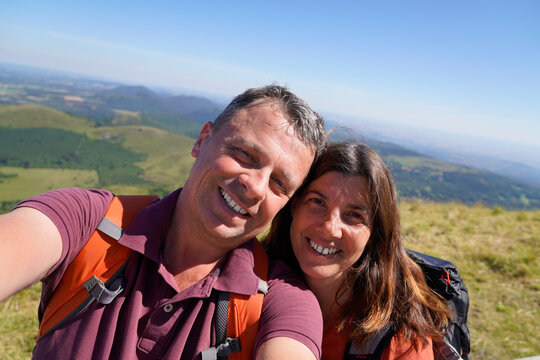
{"points": [[147, 232], [238, 273]]}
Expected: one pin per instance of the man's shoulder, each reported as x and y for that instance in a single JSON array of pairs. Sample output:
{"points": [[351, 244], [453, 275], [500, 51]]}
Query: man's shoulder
{"points": [[279, 272], [72, 196], [290, 309]]}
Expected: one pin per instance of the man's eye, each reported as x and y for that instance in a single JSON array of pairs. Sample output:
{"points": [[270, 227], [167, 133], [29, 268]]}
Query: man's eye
{"points": [[280, 185], [242, 155]]}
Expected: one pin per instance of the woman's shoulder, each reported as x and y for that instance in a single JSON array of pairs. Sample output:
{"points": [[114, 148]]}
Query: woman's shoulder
{"points": [[402, 349], [386, 345]]}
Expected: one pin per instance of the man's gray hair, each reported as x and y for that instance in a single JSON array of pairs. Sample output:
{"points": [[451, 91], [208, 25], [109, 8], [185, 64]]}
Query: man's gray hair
{"points": [[308, 125]]}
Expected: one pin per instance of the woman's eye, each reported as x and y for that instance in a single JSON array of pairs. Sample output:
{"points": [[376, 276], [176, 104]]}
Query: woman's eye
{"points": [[316, 201], [355, 218]]}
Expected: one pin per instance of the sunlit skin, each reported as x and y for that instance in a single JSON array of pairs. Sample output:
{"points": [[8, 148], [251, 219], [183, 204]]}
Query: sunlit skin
{"points": [[333, 214], [254, 161]]}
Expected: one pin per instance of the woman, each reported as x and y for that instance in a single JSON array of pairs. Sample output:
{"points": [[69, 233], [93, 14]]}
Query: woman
{"points": [[343, 229]]}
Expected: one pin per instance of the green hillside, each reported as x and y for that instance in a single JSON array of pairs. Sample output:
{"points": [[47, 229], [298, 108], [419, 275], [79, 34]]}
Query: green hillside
{"points": [[422, 177], [55, 148], [138, 159], [151, 159], [20, 183], [28, 116], [167, 156]]}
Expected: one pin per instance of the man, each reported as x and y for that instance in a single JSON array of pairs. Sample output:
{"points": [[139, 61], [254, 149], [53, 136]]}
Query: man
{"points": [[248, 163]]}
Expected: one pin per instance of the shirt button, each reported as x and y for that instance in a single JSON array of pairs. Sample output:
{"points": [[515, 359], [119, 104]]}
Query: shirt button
{"points": [[168, 308]]}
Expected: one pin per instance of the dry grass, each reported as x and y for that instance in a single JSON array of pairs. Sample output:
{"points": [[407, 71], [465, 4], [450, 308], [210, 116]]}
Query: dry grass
{"points": [[498, 255], [19, 324]]}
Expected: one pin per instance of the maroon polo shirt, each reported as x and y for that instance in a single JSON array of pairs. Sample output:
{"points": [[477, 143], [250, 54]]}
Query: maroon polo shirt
{"points": [[150, 319]]}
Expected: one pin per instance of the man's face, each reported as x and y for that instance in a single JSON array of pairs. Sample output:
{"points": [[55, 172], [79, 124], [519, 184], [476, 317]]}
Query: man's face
{"points": [[244, 173]]}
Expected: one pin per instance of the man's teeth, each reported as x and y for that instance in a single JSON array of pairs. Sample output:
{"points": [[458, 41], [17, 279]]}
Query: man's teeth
{"points": [[321, 250], [233, 205]]}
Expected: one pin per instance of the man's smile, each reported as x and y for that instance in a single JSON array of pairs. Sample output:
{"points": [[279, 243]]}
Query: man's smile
{"points": [[232, 204]]}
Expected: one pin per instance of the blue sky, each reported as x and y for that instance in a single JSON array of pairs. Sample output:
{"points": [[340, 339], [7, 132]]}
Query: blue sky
{"points": [[470, 67]]}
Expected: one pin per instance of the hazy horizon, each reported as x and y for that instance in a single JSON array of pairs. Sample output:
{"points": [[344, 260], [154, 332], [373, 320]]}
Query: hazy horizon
{"points": [[460, 67]]}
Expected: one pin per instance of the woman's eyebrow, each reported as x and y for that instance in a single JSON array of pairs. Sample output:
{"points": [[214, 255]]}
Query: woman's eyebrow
{"points": [[359, 207], [317, 192]]}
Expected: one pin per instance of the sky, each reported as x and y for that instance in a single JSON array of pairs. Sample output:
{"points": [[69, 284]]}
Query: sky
{"points": [[466, 67]]}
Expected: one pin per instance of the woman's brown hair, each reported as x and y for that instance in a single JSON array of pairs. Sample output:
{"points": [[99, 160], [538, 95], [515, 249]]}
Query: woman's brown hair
{"points": [[386, 286]]}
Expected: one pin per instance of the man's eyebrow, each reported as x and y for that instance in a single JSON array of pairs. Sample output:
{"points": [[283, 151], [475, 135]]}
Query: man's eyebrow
{"points": [[289, 182]]}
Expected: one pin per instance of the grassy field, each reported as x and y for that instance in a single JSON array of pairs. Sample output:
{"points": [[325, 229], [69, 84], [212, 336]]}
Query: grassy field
{"points": [[498, 254], [28, 116], [19, 183], [167, 155], [496, 251], [435, 164]]}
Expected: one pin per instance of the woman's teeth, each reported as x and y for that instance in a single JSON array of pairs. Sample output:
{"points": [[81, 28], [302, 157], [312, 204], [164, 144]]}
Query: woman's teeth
{"points": [[321, 250]]}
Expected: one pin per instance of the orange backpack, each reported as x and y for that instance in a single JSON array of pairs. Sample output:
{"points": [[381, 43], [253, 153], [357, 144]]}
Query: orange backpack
{"points": [[96, 273]]}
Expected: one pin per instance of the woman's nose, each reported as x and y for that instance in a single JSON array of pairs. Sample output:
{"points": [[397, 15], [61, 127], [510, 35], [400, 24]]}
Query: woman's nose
{"points": [[332, 225]]}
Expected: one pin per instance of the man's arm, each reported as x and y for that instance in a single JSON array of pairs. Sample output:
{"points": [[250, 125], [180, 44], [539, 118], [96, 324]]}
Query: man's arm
{"points": [[30, 244], [291, 323], [284, 348]]}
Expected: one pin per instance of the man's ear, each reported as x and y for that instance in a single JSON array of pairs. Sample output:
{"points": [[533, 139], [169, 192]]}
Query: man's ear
{"points": [[205, 133]]}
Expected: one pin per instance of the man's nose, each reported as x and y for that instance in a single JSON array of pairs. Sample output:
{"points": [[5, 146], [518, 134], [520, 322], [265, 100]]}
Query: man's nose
{"points": [[255, 183]]}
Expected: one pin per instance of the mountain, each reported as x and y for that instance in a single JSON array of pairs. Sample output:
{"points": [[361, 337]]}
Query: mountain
{"points": [[142, 157], [517, 161], [114, 117], [424, 177], [107, 103]]}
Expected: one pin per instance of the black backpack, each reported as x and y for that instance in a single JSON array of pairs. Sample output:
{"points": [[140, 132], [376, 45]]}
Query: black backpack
{"points": [[443, 277]]}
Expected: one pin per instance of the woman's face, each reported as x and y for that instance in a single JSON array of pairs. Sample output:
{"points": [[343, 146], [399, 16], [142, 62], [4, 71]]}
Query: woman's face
{"points": [[331, 225]]}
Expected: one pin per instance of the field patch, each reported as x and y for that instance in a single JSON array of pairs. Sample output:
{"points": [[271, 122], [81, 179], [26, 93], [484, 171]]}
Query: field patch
{"points": [[426, 162], [55, 148], [73, 98], [18, 183], [32, 116], [167, 160]]}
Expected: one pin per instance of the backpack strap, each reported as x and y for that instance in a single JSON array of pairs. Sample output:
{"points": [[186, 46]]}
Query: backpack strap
{"points": [[236, 317], [445, 351], [374, 348], [96, 272]]}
